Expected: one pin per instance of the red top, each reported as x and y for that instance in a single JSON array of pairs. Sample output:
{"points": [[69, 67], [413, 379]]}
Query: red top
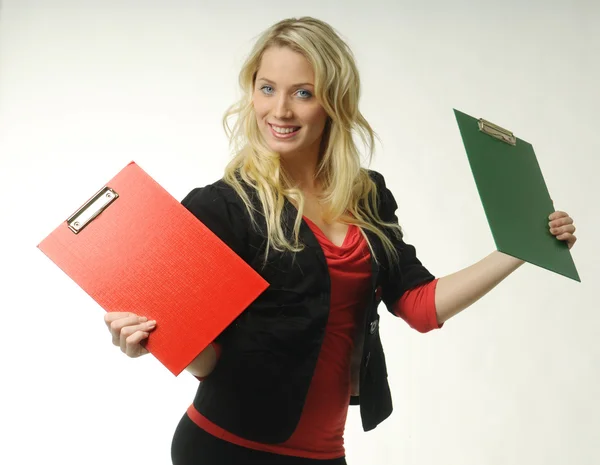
{"points": [[319, 434]]}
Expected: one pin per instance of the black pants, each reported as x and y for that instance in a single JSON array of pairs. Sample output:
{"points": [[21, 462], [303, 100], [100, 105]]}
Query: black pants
{"points": [[193, 446]]}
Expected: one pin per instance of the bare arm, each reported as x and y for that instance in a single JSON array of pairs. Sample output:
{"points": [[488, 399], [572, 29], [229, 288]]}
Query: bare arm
{"points": [[204, 363], [459, 290]]}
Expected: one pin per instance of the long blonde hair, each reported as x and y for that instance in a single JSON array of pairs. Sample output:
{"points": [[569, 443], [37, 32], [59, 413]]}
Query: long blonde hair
{"points": [[348, 191]]}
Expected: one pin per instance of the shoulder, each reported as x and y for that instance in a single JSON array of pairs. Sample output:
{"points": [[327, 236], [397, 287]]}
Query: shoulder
{"points": [[220, 209], [210, 195], [386, 203], [379, 181], [376, 177]]}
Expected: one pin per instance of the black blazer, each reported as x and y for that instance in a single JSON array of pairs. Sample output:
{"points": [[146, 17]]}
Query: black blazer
{"points": [[258, 387]]}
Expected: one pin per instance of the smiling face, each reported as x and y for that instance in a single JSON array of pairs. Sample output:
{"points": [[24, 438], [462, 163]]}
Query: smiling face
{"points": [[288, 114]]}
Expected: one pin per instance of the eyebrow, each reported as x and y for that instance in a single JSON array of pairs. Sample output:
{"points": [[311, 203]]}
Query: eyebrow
{"points": [[295, 85]]}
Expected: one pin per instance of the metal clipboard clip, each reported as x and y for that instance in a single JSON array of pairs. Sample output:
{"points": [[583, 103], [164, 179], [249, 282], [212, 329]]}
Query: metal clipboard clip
{"points": [[91, 209], [497, 132]]}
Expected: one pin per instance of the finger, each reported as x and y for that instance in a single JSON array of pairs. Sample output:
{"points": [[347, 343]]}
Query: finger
{"points": [[561, 222], [118, 326], [570, 229], [133, 347], [568, 238], [109, 317], [116, 320], [557, 214], [128, 331]]}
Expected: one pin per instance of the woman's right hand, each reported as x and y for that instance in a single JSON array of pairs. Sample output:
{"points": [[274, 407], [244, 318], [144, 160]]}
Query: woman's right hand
{"points": [[129, 331]]}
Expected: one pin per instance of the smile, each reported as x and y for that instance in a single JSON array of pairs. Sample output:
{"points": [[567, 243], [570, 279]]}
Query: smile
{"points": [[284, 132]]}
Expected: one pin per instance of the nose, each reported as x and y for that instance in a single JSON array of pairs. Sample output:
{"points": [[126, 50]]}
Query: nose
{"points": [[282, 108]]}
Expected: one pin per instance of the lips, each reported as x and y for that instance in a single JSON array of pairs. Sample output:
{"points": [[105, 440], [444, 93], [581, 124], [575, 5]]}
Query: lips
{"points": [[283, 132]]}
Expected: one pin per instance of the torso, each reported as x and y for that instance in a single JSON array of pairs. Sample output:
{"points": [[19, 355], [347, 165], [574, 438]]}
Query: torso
{"points": [[319, 433]]}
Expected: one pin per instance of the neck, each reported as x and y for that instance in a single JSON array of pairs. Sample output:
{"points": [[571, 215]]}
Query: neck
{"points": [[302, 175], [301, 168]]}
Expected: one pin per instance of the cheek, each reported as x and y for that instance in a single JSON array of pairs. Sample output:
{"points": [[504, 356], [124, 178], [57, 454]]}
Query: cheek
{"points": [[260, 109], [318, 117]]}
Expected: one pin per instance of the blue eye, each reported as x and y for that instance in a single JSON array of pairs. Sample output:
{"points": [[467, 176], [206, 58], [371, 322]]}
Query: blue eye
{"points": [[266, 90], [306, 94]]}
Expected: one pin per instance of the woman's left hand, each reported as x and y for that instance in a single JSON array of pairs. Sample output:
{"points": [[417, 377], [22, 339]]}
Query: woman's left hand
{"points": [[561, 225]]}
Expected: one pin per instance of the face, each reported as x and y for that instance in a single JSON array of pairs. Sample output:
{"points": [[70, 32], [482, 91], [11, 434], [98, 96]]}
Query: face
{"points": [[288, 114]]}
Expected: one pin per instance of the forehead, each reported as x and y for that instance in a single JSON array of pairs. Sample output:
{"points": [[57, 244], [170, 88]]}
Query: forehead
{"points": [[283, 65]]}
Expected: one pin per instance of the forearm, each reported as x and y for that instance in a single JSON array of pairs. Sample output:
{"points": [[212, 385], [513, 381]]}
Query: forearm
{"points": [[204, 363], [459, 290]]}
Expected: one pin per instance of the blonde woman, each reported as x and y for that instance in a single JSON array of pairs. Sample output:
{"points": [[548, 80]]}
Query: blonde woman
{"points": [[296, 204]]}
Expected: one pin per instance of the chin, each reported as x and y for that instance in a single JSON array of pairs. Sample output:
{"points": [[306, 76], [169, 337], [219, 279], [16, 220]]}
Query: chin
{"points": [[285, 154], [284, 148]]}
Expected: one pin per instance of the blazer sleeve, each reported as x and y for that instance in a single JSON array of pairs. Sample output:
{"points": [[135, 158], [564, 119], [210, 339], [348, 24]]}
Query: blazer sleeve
{"points": [[409, 272], [215, 208], [224, 217]]}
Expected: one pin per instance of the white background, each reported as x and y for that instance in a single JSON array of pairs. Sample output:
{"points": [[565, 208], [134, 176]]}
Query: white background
{"points": [[87, 86]]}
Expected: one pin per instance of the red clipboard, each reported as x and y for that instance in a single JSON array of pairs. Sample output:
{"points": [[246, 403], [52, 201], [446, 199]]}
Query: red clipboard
{"points": [[134, 247]]}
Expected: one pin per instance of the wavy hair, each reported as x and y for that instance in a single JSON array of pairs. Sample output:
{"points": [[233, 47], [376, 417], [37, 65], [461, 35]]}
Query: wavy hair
{"points": [[349, 193]]}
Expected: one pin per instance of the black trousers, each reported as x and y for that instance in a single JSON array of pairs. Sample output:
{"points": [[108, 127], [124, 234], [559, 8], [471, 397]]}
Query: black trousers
{"points": [[192, 445]]}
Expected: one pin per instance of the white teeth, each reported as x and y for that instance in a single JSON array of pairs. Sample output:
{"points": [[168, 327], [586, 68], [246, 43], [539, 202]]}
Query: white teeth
{"points": [[283, 130]]}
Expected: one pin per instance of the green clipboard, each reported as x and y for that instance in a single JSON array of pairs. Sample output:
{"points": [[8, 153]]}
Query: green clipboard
{"points": [[514, 195]]}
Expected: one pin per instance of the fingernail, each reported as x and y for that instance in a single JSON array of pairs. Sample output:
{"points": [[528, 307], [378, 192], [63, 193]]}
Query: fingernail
{"points": [[142, 319], [152, 323]]}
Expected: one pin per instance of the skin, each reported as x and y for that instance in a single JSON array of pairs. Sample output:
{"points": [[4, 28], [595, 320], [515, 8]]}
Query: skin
{"points": [[284, 97]]}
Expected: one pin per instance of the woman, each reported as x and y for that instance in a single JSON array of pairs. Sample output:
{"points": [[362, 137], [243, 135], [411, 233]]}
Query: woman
{"points": [[297, 206]]}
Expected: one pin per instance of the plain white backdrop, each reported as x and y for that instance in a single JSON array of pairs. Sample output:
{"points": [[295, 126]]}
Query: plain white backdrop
{"points": [[87, 86]]}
